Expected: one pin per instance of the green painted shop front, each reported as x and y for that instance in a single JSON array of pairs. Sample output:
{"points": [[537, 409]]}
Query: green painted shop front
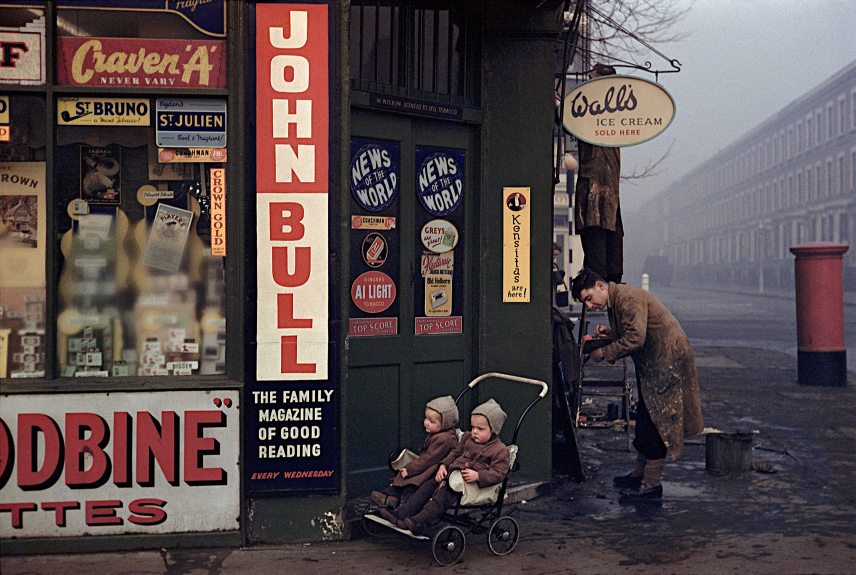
{"points": [[480, 100]]}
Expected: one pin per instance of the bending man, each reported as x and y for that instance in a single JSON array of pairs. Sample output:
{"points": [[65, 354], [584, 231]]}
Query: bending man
{"points": [[669, 406]]}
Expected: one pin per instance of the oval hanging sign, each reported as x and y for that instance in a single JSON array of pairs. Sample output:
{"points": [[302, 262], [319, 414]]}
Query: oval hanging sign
{"points": [[439, 236], [373, 292], [614, 111]]}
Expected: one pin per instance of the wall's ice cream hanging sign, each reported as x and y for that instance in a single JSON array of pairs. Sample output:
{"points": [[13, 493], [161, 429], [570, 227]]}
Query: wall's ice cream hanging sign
{"points": [[373, 292], [440, 180], [515, 244], [439, 236], [617, 111], [374, 173]]}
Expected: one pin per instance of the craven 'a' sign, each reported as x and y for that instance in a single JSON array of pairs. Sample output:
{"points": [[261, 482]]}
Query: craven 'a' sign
{"points": [[614, 111], [141, 62]]}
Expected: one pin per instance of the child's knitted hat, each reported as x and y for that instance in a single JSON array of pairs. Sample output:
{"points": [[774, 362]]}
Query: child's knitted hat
{"points": [[491, 411], [447, 409]]}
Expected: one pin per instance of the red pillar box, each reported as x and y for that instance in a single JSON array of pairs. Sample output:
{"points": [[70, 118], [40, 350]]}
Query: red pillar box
{"points": [[821, 353]]}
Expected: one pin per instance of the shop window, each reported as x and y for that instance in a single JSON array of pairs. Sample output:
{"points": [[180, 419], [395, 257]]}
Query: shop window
{"points": [[140, 288], [23, 238]]}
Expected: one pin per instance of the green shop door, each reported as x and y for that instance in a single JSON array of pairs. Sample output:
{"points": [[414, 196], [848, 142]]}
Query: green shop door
{"points": [[411, 290]]}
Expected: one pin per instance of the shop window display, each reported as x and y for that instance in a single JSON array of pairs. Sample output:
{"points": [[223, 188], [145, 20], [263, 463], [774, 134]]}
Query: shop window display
{"points": [[23, 237], [139, 292]]}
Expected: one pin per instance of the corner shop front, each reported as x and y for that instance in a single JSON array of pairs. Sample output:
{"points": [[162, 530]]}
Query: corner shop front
{"points": [[206, 343]]}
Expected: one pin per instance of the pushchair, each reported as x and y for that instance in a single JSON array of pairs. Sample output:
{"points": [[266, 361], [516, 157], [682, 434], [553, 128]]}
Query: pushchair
{"points": [[478, 510]]}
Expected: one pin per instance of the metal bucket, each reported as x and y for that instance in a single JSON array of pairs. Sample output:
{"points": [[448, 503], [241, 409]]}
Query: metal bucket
{"points": [[727, 452]]}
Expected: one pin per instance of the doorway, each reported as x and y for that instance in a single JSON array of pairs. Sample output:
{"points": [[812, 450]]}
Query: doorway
{"points": [[429, 251]]}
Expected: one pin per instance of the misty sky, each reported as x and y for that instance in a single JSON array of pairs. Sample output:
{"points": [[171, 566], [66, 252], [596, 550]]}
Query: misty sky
{"points": [[742, 60]]}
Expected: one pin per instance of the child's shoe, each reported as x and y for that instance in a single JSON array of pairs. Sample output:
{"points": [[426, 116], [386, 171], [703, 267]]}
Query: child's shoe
{"points": [[382, 499]]}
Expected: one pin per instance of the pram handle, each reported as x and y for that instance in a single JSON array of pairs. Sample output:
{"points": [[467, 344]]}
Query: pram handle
{"points": [[509, 377]]}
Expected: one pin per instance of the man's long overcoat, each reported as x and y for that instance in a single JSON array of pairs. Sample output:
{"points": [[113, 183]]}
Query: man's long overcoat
{"points": [[646, 330]]}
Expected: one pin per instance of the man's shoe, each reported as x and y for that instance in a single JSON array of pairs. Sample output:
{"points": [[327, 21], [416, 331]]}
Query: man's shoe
{"points": [[628, 480], [644, 494], [381, 499]]}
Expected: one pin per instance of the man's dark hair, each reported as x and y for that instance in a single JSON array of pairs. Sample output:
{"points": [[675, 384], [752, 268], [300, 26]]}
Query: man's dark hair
{"points": [[603, 69], [584, 280]]}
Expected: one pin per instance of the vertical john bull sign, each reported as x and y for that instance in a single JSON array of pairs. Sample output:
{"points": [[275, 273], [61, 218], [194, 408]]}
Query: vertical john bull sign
{"points": [[516, 218], [440, 189], [375, 249], [617, 111], [119, 463], [291, 408]]}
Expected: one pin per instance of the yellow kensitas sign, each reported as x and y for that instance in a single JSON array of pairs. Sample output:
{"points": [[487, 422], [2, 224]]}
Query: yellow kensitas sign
{"points": [[516, 237]]}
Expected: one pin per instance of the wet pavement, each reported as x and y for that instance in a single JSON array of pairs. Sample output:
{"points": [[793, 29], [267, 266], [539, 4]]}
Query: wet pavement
{"points": [[794, 513]]}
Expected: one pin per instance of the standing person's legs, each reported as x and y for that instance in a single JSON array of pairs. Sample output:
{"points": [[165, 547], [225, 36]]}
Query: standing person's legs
{"points": [[594, 248], [614, 256], [647, 440], [652, 450]]}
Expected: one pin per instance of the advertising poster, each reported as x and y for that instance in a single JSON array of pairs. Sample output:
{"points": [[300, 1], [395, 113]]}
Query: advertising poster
{"points": [[618, 111], [166, 63], [168, 238], [22, 224], [190, 123], [23, 55], [516, 216], [375, 181], [440, 189], [294, 437], [217, 188], [5, 129], [119, 463], [291, 421], [79, 111], [101, 174]]}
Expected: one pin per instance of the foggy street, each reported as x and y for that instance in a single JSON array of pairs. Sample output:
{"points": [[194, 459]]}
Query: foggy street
{"points": [[732, 319]]}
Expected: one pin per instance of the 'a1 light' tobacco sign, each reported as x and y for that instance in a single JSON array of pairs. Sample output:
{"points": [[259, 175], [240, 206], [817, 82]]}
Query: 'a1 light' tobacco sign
{"points": [[614, 111]]}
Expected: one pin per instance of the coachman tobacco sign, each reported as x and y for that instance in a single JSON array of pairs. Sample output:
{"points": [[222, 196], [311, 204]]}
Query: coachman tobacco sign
{"points": [[617, 111]]}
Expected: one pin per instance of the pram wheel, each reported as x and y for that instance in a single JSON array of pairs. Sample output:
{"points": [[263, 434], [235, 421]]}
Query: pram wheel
{"points": [[373, 528], [448, 545], [503, 535]]}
